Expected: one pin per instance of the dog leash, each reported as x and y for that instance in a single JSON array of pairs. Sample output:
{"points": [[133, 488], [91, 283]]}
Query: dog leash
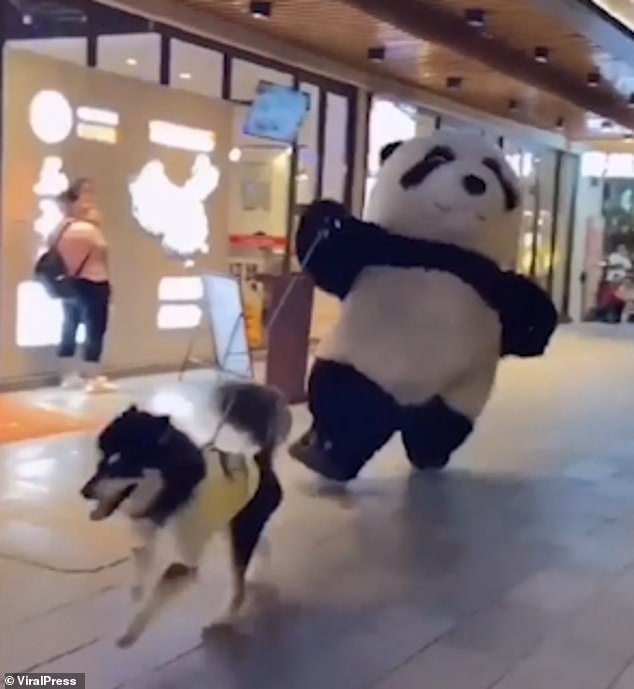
{"points": [[321, 235]]}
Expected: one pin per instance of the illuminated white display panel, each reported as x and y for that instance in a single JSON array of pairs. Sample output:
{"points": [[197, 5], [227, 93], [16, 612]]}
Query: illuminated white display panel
{"points": [[51, 117], [175, 214], [178, 316], [226, 316], [179, 302], [181, 137], [94, 110], [39, 318], [180, 288]]}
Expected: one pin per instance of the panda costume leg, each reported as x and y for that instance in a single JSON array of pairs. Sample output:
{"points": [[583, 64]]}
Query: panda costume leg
{"points": [[433, 431], [352, 419]]}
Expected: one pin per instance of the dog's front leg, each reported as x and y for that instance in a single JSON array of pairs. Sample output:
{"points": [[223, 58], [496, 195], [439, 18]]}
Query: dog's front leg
{"points": [[142, 557], [172, 582], [238, 589]]}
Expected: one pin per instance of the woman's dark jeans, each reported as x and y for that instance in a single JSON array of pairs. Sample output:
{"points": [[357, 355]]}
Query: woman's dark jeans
{"points": [[90, 307]]}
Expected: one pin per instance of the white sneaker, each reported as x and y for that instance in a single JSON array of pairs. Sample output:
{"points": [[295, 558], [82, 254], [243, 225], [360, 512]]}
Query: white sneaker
{"points": [[99, 384], [72, 381]]}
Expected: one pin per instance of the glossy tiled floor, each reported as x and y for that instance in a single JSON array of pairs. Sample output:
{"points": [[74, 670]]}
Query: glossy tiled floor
{"points": [[515, 570]]}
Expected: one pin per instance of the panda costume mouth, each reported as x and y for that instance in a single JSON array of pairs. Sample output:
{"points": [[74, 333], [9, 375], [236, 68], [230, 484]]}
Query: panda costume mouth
{"points": [[447, 209]]}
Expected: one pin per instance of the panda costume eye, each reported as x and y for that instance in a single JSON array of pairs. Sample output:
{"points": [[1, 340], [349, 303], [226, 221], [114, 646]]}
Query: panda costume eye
{"points": [[439, 155], [510, 194]]}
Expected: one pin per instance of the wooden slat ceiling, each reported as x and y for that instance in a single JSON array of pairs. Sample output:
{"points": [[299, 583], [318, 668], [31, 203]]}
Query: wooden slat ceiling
{"points": [[345, 32]]}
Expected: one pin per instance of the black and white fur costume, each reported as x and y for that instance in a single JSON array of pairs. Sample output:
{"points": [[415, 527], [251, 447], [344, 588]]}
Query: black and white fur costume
{"points": [[428, 305]]}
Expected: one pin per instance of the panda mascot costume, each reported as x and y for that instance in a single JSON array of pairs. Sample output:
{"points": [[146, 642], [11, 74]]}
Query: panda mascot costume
{"points": [[429, 305]]}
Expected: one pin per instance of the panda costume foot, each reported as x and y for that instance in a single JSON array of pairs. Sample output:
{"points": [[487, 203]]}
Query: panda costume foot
{"points": [[430, 464], [432, 432], [308, 452]]}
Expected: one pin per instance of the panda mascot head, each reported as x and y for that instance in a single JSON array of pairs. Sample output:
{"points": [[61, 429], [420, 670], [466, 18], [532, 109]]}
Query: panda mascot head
{"points": [[453, 188]]}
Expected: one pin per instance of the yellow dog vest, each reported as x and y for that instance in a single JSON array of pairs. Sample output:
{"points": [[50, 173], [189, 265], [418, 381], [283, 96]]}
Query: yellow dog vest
{"points": [[229, 485]]}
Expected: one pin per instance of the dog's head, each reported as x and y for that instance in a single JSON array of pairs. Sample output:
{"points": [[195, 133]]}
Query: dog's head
{"points": [[141, 455]]}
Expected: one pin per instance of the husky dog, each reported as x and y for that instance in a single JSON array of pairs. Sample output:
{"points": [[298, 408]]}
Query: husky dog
{"points": [[168, 486]]}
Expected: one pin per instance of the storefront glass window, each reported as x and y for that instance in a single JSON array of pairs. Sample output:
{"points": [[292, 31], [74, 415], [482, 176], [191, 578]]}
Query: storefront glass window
{"points": [[196, 69], [387, 122], [136, 56], [545, 196]]}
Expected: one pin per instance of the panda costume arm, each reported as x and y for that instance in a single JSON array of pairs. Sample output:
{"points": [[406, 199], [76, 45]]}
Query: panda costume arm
{"points": [[333, 248], [528, 316]]}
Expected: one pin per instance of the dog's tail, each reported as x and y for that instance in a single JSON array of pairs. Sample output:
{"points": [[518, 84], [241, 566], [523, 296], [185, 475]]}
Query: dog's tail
{"points": [[259, 411]]}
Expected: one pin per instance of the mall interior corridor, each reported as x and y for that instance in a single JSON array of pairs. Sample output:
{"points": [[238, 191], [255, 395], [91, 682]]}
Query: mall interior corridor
{"points": [[514, 570]]}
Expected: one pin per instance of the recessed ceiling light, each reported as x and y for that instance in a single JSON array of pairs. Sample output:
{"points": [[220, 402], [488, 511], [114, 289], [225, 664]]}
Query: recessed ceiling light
{"points": [[27, 19], [454, 83], [541, 54], [235, 154], [131, 62], [185, 76], [260, 10], [593, 79], [376, 54], [475, 17]]}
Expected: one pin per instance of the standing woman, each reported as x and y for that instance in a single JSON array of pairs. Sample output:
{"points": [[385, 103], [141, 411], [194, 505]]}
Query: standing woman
{"points": [[84, 250]]}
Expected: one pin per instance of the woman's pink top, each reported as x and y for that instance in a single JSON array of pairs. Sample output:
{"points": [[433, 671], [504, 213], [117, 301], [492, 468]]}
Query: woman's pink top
{"points": [[83, 239]]}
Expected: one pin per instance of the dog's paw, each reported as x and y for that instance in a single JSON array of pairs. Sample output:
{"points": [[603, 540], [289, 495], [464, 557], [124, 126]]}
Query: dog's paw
{"points": [[127, 639], [224, 623]]}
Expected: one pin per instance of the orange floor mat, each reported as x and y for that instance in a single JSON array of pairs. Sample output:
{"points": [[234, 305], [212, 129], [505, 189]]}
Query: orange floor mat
{"points": [[20, 421]]}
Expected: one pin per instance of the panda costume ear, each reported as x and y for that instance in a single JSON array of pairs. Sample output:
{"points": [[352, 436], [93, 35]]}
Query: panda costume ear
{"points": [[387, 150]]}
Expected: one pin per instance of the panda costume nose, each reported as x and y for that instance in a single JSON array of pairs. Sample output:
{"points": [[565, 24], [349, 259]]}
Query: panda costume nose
{"points": [[474, 186]]}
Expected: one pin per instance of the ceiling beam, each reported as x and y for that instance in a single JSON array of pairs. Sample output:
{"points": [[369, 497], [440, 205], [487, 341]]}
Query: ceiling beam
{"points": [[433, 24], [587, 18], [206, 24]]}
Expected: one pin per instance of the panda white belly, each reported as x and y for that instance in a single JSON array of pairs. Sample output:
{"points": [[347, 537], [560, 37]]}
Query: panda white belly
{"points": [[417, 334]]}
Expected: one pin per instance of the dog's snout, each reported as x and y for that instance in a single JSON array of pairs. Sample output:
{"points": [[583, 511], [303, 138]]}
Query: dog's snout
{"points": [[88, 490], [475, 186]]}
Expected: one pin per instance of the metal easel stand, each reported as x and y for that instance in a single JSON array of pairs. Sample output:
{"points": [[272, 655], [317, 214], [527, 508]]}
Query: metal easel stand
{"points": [[218, 363]]}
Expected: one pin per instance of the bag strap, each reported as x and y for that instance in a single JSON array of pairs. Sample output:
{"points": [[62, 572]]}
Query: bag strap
{"points": [[82, 265], [65, 226]]}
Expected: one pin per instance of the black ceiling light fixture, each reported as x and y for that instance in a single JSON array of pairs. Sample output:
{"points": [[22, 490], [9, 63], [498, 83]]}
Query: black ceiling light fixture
{"points": [[475, 17], [261, 9], [376, 53], [594, 79], [454, 83], [541, 54]]}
